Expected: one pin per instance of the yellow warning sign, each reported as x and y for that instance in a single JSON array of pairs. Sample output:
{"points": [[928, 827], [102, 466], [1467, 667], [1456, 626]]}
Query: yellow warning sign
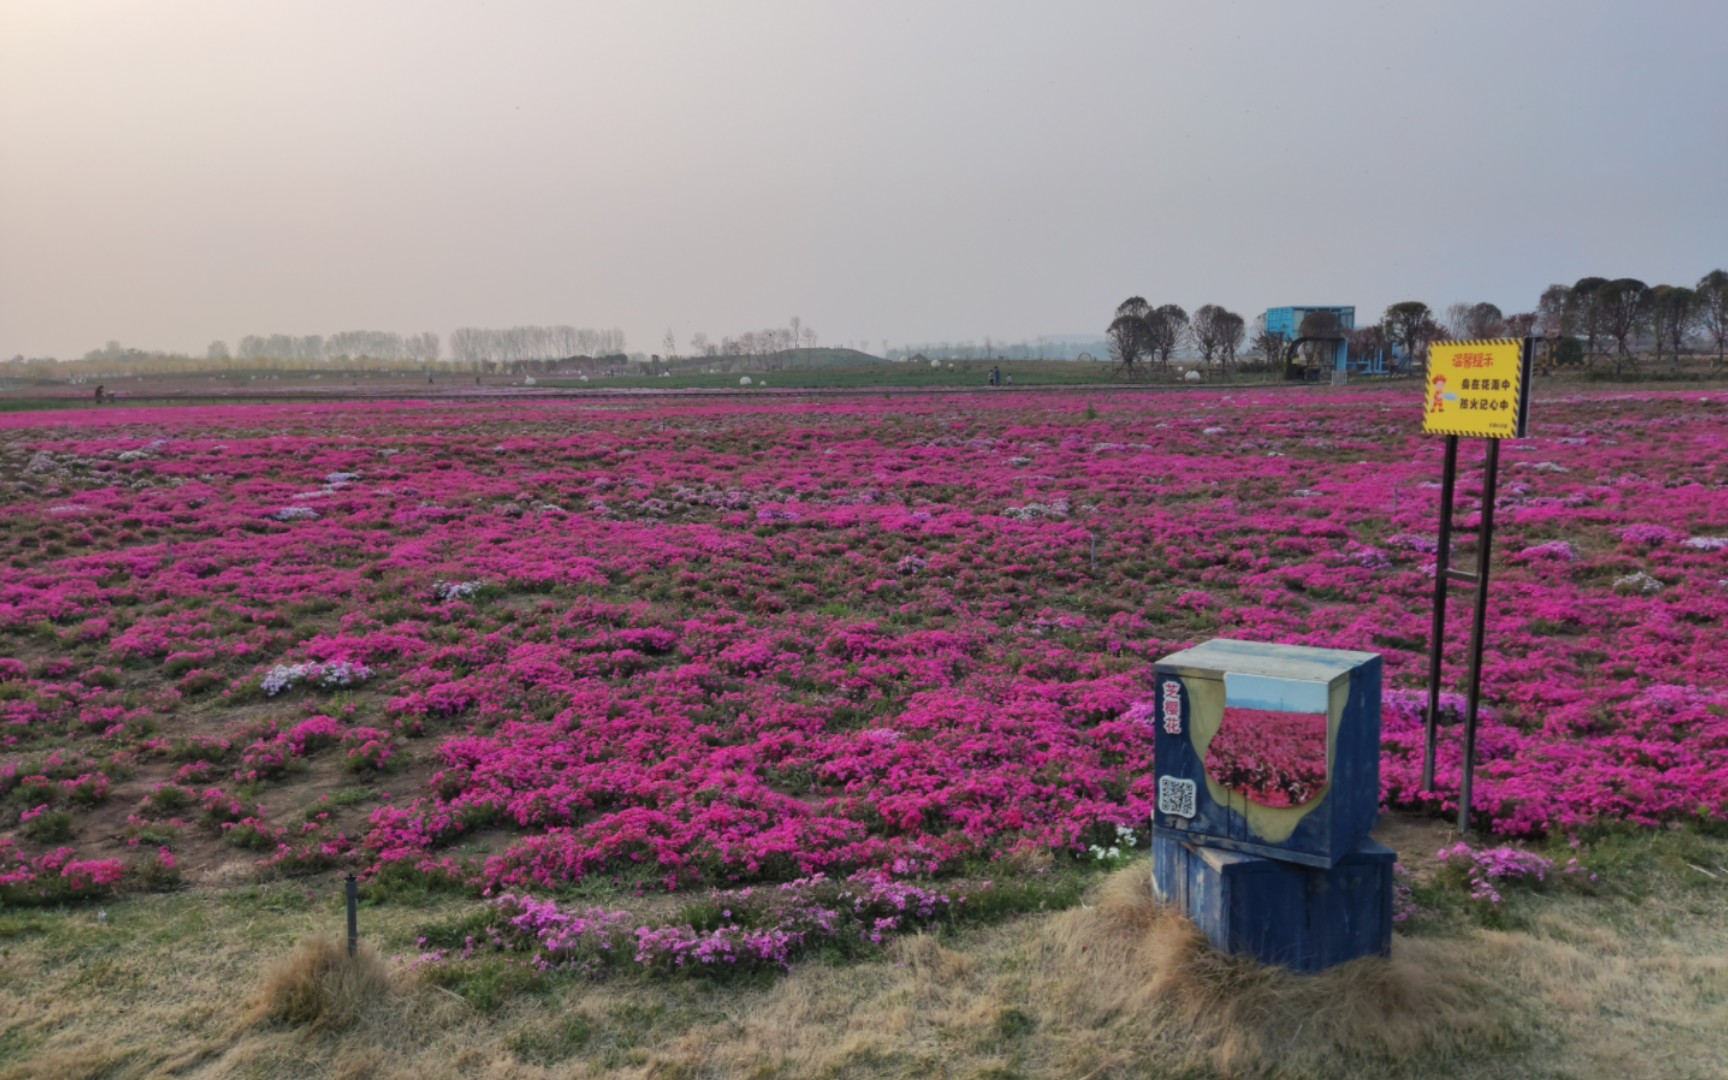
{"points": [[1477, 388]]}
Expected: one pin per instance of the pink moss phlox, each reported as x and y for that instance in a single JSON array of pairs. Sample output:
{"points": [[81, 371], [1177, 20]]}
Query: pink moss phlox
{"points": [[709, 644]]}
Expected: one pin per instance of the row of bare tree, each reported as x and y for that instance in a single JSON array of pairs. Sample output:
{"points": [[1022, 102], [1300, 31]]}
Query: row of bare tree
{"points": [[517, 344], [341, 346], [1141, 334], [130, 362], [478, 349], [1064, 347], [1579, 322], [1633, 316], [751, 345]]}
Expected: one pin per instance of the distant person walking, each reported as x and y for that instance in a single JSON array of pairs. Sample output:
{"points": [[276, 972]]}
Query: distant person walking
{"points": [[101, 393], [995, 376]]}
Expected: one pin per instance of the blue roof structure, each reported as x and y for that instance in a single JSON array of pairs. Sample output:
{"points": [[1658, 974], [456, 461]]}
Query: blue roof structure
{"points": [[1287, 321]]}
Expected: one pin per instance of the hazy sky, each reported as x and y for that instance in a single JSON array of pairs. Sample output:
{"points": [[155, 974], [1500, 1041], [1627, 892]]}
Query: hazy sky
{"points": [[173, 172]]}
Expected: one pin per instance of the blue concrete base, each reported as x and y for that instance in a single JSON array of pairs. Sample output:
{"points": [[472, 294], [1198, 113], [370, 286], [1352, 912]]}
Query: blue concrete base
{"points": [[1278, 912]]}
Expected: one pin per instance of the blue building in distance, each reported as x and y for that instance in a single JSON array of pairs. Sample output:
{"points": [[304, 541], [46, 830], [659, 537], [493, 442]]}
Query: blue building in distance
{"points": [[1286, 322], [1335, 319]]}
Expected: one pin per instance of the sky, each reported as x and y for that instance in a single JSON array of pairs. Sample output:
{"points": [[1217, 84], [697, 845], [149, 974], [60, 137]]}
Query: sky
{"points": [[178, 171]]}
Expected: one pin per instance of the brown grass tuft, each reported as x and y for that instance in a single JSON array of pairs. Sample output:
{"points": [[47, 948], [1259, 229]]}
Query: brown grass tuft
{"points": [[1131, 961], [1107, 991], [319, 985]]}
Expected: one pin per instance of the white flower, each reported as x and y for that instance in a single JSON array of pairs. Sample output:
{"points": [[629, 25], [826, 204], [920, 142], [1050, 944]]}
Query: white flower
{"points": [[283, 677], [456, 590], [1033, 511], [1640, 583]]}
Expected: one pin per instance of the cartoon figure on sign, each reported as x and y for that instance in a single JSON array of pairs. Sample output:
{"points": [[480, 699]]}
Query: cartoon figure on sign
{"points": [[1438, 404]]}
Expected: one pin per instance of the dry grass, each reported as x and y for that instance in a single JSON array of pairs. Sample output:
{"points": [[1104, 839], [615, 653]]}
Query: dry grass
{"points": [[319, 985], [1104, 991], [1136, 962], [1579, 986]]}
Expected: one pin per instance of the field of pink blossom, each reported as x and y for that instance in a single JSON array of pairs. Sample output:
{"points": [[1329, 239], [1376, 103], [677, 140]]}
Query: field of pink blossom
{"points": [[516, 646], [1272, 757]]}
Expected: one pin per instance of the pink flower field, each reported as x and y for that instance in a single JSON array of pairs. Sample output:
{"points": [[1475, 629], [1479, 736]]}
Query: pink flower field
{"points": [[521, 645], [1272, 757]]}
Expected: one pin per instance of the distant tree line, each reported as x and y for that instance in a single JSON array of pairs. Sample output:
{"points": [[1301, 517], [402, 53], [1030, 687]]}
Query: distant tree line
{"points": [[1142, 336], [763, 342], [752, 347], [513, 346], [126, 362], [477, 349], [517, 350], [1593, 319], [1595, 313], [991, 348], [343, 346], [1618, 320]]}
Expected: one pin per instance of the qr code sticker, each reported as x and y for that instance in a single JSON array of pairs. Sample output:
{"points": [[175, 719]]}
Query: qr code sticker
{"points": [[1176, 796]]}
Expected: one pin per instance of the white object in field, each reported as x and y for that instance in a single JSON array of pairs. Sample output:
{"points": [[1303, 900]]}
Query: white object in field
{"points": [[935, 363], [744, 381], [529, 381], [1193, 375]]}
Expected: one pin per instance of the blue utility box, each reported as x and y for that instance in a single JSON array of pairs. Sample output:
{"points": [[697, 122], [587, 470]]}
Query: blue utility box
{"points": [[1269, 750], [1298, 917], [1268, 760]]}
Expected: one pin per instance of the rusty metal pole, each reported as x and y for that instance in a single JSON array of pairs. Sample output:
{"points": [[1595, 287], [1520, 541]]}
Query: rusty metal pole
{"points": [[353, 890], [1485, 551], [1437, 635]]}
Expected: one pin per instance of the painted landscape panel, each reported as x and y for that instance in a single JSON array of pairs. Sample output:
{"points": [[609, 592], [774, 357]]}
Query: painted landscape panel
{"points": [[1273, 757], [1271, 745]]}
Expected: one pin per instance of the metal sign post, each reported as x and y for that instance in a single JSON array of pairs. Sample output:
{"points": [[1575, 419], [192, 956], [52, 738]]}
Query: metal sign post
{"points": [[353, 891], [1484, 554], [1480, 389], [1442, 566]]}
